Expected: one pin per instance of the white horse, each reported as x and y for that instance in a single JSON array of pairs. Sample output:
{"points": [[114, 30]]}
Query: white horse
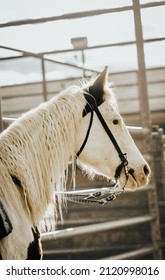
{"points": [[82, 122]]}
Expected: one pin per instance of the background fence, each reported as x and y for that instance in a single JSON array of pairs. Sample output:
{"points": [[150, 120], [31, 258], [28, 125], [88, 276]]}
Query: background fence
{"points": [[133, 225]]}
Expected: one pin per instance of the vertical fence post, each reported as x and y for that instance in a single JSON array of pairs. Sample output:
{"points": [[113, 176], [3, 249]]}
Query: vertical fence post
{"points": [[142, 79], [1, 115], [45, 94], [159, 156], [146, 122]]}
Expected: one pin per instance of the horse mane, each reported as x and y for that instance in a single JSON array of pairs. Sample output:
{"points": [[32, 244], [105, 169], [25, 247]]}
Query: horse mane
{"points": [[35, 149]]}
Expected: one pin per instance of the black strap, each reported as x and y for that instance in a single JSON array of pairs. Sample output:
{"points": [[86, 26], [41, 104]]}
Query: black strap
{"points": [[112, 138], [87, 135], [122, 155]]}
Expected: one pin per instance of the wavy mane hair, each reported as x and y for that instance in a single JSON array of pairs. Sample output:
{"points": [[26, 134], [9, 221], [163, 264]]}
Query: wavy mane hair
{"points": [[36, 148]]}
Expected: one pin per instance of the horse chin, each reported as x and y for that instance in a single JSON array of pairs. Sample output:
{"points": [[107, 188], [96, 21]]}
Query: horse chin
{"points": [[130, 185]]}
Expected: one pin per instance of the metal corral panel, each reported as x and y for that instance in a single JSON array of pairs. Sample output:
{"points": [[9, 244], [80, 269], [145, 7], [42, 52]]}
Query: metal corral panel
{"points": [[20, 98]]}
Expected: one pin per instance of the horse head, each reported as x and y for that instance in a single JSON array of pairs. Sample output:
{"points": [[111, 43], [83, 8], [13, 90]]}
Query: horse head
{"points": [[108, 148]]}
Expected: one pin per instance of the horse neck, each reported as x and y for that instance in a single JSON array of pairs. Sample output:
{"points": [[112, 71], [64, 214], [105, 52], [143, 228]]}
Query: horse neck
{"points": [[60, 131], [46, 141]]}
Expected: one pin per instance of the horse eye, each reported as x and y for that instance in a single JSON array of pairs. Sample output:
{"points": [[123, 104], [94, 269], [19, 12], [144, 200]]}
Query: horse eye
{"points": [[115, 121]]}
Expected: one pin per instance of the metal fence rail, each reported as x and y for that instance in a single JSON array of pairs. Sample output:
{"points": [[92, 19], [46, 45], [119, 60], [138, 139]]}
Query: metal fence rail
{"points": [[70, 232], [133, 254]]}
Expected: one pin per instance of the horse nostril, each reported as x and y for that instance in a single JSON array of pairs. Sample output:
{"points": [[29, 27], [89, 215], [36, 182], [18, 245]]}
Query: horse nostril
{"points": [[131, 171], [146, 169]]}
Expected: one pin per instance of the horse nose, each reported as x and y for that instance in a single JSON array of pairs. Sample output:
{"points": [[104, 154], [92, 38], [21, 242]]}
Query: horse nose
{"points": [[145, 170], [141, 175]]}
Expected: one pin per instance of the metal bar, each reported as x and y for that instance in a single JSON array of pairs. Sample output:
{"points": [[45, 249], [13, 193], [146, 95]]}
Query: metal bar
{"points": [[83, 62], [7, 122], [78, 15], [131, 255], [25, 53], [11, 57], [161, 139], [65, 16], [45, 93], [1, 115], [138, 131], [152, 4], [142, 80], [117, 44], [70, 232], [158, 148], [155, 225]]}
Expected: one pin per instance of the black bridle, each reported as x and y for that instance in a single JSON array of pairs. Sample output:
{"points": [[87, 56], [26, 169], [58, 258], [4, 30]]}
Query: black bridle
{"points": [[104, 194], [123, 156]]}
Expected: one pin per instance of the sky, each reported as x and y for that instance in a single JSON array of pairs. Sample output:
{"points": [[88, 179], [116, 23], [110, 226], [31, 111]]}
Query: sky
{"points": [[104, 29]]}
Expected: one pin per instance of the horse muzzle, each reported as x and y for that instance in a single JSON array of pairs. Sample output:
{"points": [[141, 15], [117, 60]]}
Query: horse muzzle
{"points": [[138, 178]]}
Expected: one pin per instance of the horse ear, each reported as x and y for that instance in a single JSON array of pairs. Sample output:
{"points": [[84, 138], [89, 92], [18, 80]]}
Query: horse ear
{"points": [[96, 90]]}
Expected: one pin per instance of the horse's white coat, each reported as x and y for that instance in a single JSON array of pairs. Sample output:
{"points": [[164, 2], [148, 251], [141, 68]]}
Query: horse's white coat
{"points": [[100, 155], [37, 149]]}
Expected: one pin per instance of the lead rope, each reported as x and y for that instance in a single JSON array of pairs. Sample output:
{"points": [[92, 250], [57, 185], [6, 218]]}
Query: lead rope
{"points": [[100, 195]]}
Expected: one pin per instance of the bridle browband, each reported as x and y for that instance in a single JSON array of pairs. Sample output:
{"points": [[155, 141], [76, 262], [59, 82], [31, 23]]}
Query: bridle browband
{"points": [[104, 194]]}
